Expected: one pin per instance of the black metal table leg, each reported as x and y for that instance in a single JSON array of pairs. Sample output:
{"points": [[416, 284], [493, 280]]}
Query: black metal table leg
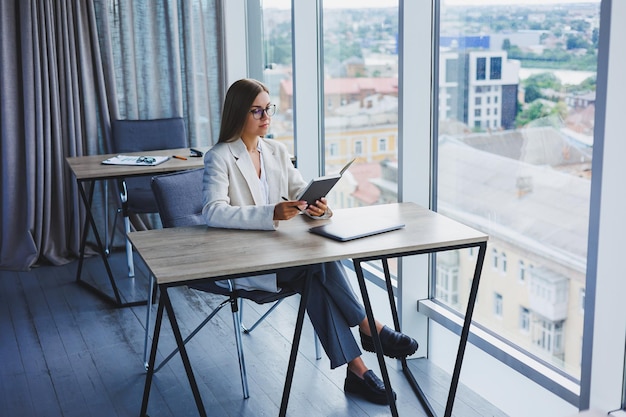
{"points": [[83, 240], [405, 368], [151, 361], [89, 221], [165, 298], [375, 337], [421, 396], [165, 303], [295, 344], [465, 331]]}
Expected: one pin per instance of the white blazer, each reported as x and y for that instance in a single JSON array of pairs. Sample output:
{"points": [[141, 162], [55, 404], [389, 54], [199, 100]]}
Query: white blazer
{"points": [[233, 197], [232, 193]]}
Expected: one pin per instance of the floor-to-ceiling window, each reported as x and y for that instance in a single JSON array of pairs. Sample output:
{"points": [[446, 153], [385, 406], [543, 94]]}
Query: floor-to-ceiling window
{"points": [[516, 100], [533, 293], [360, 81], [277, 62], [358, 69]]}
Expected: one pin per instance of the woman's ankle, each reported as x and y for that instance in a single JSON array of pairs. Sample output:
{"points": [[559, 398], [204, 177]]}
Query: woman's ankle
{"points": [[357, 367], [365, 328]]}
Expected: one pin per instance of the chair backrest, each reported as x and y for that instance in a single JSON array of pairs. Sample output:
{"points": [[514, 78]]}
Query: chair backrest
{"points": [[146, 135], [179, 197]]}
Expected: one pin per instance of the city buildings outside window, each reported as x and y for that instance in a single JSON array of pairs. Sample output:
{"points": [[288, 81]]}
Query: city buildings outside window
{"points": [[494, 258], [524, 319], [382, 144], [278, 67], [497, 305], [358, 148], [502, 168], [581, 299]]}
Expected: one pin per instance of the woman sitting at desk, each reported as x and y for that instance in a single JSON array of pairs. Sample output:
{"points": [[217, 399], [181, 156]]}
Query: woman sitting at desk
{"points": [[246, 180]]}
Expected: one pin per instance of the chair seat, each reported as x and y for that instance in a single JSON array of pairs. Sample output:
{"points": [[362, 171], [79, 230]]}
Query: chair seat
{"points": [[259, 297], [140, 195]]}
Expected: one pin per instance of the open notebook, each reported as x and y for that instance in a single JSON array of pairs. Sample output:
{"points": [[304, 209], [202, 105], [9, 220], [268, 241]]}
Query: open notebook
{"points": [[350, 229], [319, 187]]}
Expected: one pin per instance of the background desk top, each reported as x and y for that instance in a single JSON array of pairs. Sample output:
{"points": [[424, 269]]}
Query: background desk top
{"points": [[91, 167], [186, 253]]}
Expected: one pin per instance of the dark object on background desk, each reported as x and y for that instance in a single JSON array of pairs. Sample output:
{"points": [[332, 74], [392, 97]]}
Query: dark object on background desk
{"points": [[195, 152], [345, 229]]}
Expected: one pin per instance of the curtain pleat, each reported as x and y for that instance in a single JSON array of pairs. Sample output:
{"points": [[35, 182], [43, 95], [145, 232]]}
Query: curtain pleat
{"points": [[67, 68]]}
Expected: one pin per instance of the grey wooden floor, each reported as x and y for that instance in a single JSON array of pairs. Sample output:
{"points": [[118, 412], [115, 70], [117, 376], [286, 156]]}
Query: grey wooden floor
{"points": [[66, 352]]}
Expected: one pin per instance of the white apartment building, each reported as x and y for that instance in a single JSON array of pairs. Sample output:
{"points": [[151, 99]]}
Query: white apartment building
{"points": [[478, 88]]}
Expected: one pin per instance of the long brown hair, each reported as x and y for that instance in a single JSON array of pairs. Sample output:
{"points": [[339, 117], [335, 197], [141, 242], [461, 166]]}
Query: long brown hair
{"points": [[239, 98]]}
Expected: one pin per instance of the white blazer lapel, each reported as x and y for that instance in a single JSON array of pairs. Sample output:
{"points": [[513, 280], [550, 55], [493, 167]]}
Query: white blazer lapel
{"points": [[245, 166], [273, 172]]}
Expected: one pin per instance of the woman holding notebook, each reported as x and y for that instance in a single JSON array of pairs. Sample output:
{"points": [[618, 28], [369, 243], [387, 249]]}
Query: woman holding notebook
{"points": [[251, 183]]}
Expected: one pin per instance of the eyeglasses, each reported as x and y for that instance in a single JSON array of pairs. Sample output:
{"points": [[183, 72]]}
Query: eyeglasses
{"points": [[257, 113], [146, 160]]}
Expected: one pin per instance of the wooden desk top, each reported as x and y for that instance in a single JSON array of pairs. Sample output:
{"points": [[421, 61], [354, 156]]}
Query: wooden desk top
{"points": [[181, 254], [91, 167]]}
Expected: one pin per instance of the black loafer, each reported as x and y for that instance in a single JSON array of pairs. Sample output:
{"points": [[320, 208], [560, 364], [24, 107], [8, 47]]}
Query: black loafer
{"points": [[395, 344], [371, 388]]}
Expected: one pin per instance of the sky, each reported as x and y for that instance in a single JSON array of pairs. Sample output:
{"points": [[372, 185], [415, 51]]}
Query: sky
{"points": [[521, 2], [387, 3]]}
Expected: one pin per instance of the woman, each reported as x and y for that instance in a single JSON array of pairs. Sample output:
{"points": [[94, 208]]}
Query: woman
{"points": [[246, 181]]}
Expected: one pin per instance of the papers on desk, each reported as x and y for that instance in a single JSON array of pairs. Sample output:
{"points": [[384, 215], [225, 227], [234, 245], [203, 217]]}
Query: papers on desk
{"points": [[135, 160]]}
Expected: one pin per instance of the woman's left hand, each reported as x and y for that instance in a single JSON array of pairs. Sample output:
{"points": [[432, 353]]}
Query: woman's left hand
{"points": [[318, 209]]}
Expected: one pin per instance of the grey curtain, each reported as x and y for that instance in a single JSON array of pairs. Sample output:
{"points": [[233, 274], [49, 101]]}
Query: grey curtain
{"points": [[164, 60], [67, 67], [48, 94]]}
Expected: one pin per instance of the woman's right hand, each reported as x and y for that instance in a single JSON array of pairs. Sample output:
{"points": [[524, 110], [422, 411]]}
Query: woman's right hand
{"points": [[286, 210]]}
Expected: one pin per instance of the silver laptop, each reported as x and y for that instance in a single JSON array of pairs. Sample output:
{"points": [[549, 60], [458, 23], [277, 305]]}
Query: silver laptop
{"points": [[346, 230]]}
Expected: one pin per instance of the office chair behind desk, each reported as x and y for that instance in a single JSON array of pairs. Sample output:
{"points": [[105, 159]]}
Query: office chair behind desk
{"points": [[135, 192]]}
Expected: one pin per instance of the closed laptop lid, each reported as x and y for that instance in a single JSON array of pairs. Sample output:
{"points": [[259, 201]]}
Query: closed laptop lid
{"points": [[350, 229]]}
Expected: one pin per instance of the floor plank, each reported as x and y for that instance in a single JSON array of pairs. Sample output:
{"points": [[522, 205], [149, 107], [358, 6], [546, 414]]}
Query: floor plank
{"points": [[67, 352]]}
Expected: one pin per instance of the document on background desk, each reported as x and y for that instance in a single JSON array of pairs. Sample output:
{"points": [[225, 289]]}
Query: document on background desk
{"points": [[135, 160], [319, 187]]}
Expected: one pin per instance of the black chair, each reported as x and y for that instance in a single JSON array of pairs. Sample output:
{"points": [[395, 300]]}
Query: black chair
{"points": [[135, 192], [179, 199]]}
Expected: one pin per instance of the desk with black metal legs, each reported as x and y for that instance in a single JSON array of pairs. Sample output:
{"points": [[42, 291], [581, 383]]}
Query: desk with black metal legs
{"points": [[88, 170], [178, 256], [464, 333]]}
